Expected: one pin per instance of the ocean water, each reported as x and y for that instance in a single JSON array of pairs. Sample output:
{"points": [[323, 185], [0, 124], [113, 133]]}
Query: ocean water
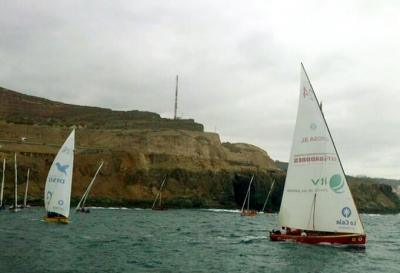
{"points": [[136, 240]]}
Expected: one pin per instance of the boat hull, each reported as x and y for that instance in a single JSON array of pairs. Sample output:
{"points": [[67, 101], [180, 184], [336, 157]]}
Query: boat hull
{"points": [[56, 219], [83, 210], [248, 212], [332, 239]]}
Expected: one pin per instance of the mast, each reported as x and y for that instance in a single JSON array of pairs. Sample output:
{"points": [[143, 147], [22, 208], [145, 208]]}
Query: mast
{"points": [[16, 180], [330, 135], [269, 193], [248, 199], [26, 188], [2, 183], [176, 98], [86, 193], [314, 201]]}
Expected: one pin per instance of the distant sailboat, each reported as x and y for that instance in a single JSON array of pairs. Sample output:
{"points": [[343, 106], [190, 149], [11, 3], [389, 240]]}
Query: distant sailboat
{"points": [[2, 184], [15, 208], [57, 194], [26, 190], [160, 206], [248, 211], [317, 205], [81, 204], [269, 193]]}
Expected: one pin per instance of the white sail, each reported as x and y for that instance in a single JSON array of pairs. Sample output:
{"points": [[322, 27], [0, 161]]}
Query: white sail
{"points": [[316, 194], [57, 194], [85, 195], [269, 193], [158, 196], [247, 197], [16, 183], [2, 183], [26, 188]]}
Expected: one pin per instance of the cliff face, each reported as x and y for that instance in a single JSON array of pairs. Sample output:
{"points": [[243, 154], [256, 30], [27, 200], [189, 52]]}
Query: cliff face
{"points": [[200, 170], [140, 149]]}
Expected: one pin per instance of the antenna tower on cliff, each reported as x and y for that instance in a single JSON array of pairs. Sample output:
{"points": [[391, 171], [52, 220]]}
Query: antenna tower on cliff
{"points": [[176, 98]]}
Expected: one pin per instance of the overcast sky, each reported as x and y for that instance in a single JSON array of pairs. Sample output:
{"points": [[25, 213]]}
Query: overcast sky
{"points": [[238, 62]]}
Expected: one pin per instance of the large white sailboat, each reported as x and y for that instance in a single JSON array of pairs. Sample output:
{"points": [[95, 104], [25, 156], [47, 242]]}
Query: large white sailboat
{"points": [[57, 194], [317, 205]]}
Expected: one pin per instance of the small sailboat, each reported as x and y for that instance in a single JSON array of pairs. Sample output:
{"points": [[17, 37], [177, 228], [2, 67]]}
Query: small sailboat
{"points": [[2, 184], [15, 208], [248, 211], [268, 195], [317, 206], [26, 190], [81, 205], [57, 194], [158, 198]]}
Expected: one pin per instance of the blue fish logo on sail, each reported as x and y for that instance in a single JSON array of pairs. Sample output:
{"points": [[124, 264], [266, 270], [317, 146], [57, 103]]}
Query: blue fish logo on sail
{"points": [[62, 168], [336, 183]]}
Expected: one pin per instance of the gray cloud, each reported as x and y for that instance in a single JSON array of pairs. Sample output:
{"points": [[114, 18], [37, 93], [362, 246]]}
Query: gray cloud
{"points": [[238, 64]]}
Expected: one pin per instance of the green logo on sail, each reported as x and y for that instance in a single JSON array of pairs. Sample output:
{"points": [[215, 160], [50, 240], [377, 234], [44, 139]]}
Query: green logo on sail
{"points": [[336, 183]]}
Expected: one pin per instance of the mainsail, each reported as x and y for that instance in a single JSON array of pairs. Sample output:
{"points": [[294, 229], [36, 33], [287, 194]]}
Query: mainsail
{"points": [[82, 202], [26, 189], [316, 194], [2, 183], [57, 194], [247, 197]]}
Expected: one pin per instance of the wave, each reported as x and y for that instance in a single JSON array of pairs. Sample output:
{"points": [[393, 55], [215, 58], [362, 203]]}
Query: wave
{"points": [[223, 210], [113, 208]]}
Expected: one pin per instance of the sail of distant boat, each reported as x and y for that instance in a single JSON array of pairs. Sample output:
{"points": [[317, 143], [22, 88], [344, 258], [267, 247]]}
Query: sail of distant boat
{"points": [[248, 211], [14, 208], [26, 189], [158, 198], [269, 193], [81, 205], [2, 184], [316, 197], [57, 194]]}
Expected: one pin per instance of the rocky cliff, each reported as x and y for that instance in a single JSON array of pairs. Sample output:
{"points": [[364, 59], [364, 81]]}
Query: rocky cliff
{"points": [[140, 149]]}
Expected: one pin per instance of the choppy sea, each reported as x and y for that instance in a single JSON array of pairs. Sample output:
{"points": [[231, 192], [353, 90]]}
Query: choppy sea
{"points": [[136, 240]]}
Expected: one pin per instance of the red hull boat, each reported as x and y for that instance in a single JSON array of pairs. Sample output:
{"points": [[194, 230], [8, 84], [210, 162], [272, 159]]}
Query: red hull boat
{"points": [[319, 238], [317, 206], [248, 212]]}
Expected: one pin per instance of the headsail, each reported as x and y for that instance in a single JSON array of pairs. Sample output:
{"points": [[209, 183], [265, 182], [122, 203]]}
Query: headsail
{"points": [[57, 194], [316, 194]]}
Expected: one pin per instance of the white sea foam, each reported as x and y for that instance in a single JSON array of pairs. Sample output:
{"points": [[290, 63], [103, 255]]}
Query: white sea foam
{"points": [[223, 210]]}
